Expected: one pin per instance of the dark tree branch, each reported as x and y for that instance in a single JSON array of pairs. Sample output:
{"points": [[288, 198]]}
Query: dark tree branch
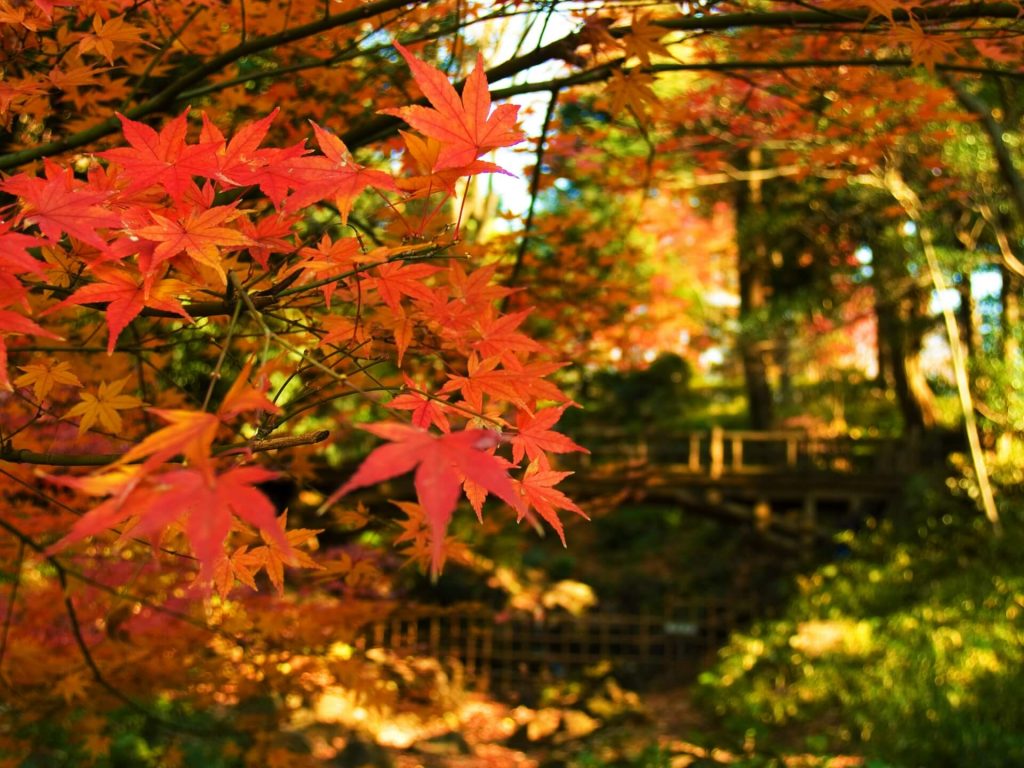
{"points": [[167, 97], [534, 188], [21, 456], [994, 131], [83, 646], [564, 48]]}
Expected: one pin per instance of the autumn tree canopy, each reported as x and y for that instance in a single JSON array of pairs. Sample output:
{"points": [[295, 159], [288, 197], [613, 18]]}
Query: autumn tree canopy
{"points": [[242, 242]]}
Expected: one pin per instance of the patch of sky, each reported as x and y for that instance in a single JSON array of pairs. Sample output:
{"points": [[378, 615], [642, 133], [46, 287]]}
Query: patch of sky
{"points": [[525, 33]]}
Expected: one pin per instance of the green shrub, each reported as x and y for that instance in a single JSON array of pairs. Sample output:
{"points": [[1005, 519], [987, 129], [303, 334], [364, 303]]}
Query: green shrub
{"points": [[910, 651]]}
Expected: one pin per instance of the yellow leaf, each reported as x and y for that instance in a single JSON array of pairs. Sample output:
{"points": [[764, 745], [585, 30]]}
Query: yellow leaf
{"points": [[105, 35], [644, 39], [104, 407], [43, 377], [96, 744], [633, 89], [72, 686]]}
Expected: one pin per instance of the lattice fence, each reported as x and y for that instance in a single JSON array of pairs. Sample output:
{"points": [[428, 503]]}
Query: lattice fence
{"points": [[519, 652]]}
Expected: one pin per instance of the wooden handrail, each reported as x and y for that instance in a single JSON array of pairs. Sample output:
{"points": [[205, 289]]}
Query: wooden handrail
{"points": [[719, 451]]}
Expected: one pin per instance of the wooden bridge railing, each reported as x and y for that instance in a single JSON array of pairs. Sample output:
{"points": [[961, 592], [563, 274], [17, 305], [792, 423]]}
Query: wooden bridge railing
{"points": [[516, 653], [717, 452]]}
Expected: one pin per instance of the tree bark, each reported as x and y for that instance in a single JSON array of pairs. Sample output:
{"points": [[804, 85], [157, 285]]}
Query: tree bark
{"points": [[1009, 296], [969, 319], [901, 308], [754, 279]]}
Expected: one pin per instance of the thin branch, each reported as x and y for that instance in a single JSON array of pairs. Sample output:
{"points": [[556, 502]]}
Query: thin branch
{"points": [[11, 600], [215, 374], [604, 71], [908, 199], [534, 190], [994, 131], [168, 95], [175, 34], [21, 456], [86, 653]]}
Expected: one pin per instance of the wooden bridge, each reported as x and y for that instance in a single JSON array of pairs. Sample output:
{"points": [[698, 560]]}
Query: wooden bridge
{"points": [[793, 488], [796, 488]]}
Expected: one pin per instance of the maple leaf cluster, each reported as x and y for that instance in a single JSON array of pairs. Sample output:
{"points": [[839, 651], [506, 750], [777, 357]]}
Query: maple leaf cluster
{"points": [[160, 234]]}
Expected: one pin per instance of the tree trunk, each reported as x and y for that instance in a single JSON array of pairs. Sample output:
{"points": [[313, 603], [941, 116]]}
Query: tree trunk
{"points": [[901, 308], [969, 320], [1010, 316], [754, 273]]}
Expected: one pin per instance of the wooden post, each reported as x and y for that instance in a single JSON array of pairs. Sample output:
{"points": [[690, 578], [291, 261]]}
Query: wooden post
{"points": [[484, 683], [791, 451], [717, 452], [434, 640], [471, 638], [737, 453], [762, 514], [694, 457], [808, 526], [605, 649]]}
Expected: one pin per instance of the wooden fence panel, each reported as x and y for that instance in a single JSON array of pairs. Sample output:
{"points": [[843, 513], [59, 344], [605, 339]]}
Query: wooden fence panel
{"points": [[518, 653]]}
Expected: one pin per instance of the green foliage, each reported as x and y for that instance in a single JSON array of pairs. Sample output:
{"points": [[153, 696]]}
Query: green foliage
{"points": [[129, 740], [911, 651], [651, 757]]}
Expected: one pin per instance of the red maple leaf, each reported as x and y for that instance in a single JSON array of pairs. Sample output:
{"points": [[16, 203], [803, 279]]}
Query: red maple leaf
{"points": [[163, 158], [241, 161], [426, 411], [335, 175], [205, 503], [499, 337], [465, 127], [396, 279], [60, 204], [16, 260], [14, 255], [441, 462], [127, 295]]}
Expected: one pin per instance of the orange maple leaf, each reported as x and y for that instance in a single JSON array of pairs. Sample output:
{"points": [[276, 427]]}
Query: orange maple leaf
{"points": [[44, 376], [273, 557], [105, 35], [644, 39], [465, 127], [198, 234], [14, 323], [538, 490], [632, 89], [189, 434]]}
